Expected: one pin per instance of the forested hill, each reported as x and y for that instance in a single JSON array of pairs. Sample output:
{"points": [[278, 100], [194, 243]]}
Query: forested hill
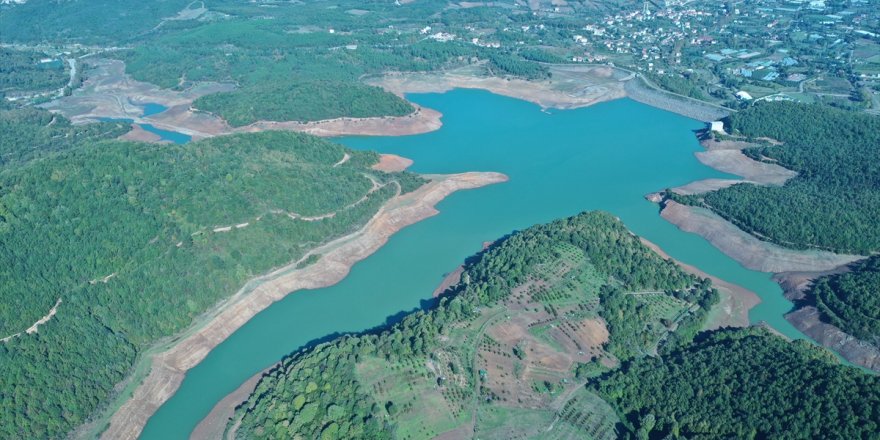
{"points": [[29, 133], [138, 239], [744, 384], [834, 201], [505, 352], [851, 301]]}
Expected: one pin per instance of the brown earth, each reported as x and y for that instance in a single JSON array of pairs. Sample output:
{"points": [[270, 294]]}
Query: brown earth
{"points": [[746, 249], [733, 308], [390, 163], [337, 257]]}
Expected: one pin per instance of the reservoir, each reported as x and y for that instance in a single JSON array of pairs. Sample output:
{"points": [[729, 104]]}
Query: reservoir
{"points": [[560, 163]]}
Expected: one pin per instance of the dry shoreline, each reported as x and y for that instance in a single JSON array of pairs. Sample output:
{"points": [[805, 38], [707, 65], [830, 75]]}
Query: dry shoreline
{"points": [[214, 424], [736, 301], [794, 269], [748, 250], [573, 86], [169, 367], [111, 93], [807, 318]]}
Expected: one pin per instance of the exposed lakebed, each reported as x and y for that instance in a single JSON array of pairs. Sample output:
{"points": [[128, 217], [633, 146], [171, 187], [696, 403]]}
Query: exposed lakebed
{"points": [[560, 163]]}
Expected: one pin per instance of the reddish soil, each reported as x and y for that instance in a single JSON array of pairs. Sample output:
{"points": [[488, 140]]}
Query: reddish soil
{"points": [[390, 163]]}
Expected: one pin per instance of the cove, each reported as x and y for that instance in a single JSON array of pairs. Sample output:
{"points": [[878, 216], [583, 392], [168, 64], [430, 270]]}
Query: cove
{"points": [[151, 108], [164, 135], [167, 135], [560, 163]]}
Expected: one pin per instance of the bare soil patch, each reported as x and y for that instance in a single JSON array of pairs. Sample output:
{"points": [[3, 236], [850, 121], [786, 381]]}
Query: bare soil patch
{"points": [[390, 163], [735, 162], [110, 93]]}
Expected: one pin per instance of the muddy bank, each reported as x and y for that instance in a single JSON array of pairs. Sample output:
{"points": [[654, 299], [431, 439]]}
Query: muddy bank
{"points": [[736, 301], [214, 424], [570, 87], [169, 367], [638, 90], [746, 249], [451, 279], [423, 120], [727, 157], [807, 318], [110, 93]]}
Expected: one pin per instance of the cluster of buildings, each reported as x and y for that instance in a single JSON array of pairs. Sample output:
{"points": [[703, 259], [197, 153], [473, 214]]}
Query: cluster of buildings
{"points": [[765, 41]]}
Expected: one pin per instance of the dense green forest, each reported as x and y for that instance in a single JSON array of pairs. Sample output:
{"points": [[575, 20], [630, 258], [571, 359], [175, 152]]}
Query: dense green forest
{"points": [[834, 201], [29, 133], [375, 384], [851, 300], [124, 234], [26, 71], [746, 384], [87, 22], [303, 101]]}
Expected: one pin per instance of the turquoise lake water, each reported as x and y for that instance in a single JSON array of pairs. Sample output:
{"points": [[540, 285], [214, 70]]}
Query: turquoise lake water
{"points": [[560, 163], [165, 135], [151, 108]]}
